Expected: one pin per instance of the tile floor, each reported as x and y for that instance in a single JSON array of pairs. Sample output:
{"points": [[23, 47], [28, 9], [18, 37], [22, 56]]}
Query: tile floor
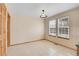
{"points": [[39, 48]]}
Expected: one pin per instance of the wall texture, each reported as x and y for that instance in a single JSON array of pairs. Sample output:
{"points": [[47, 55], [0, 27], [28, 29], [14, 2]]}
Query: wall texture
{"points": [[26, 29], [74, 28]]}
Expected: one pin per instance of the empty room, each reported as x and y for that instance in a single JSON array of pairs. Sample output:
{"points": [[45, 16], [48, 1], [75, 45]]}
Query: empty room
{"points": [[39, 29]]}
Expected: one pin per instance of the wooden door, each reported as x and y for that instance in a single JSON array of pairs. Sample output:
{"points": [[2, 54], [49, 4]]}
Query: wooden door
{"points": [[4, 26], [4, 20], [0, 30]]}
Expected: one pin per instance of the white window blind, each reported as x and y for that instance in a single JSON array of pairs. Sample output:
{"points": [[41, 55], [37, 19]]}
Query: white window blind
{"points": [[52, 27], [59, 27], [63, 27]]}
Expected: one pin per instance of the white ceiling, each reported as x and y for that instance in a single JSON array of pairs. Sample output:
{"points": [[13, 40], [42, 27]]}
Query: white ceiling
{"points": [[34, 9]]}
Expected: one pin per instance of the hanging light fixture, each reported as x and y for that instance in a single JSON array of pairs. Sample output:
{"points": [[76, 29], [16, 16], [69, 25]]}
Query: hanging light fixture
{"points": [[43, 15]]}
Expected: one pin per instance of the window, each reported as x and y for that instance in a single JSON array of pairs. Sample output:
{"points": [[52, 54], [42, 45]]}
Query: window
{"points": [[59, 27], [52, 27], [63, 27]]}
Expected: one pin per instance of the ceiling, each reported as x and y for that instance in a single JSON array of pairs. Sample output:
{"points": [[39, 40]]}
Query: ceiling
{"points": [[34, 9]]}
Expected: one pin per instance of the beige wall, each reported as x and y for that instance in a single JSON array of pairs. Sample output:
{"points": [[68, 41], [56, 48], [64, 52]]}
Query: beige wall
{"points": [[74, 28], [26, 29]]}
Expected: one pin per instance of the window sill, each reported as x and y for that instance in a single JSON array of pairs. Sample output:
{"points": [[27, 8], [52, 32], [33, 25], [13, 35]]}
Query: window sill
{"points": [[52, 35], [63, 38]]}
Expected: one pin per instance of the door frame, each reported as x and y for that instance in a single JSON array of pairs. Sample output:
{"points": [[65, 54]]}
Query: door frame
{"points": [[8, 30]]}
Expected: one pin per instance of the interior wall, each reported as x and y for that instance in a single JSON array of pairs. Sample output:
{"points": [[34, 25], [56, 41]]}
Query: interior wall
{"points": [[74, 28], [26, 29]]}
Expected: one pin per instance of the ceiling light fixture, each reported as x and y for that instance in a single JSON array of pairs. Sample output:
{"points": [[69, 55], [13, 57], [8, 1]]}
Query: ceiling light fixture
{"points": [[43, 15]]}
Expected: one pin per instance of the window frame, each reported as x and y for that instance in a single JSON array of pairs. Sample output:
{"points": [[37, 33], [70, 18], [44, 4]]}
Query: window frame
{"points": [[63, 35], [50, 34]]}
